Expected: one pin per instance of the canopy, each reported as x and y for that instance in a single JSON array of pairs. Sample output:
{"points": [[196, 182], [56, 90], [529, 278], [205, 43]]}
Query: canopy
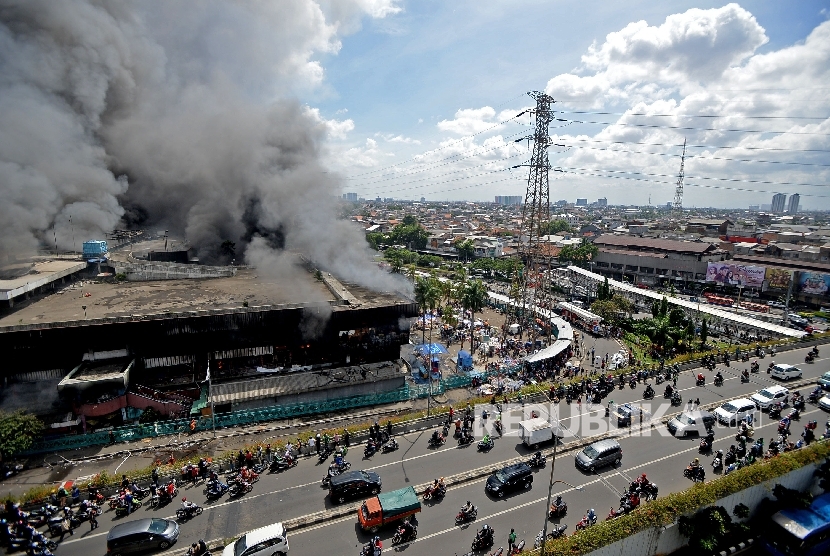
{"points": [[552, 350], [433, 349], [579, 312], [465, 359]]}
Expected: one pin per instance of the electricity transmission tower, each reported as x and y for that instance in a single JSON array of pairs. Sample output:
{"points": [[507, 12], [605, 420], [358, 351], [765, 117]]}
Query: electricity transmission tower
{"points": [[531, 288], [678, 189]]}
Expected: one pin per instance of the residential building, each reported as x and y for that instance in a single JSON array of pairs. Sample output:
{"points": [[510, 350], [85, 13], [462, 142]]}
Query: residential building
{"points": [[582, 202], [792, 208], [351, 197], [509, 200], [778, 201], [603, 202]]}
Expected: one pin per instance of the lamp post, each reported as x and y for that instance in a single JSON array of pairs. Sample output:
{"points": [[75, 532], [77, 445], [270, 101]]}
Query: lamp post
{"points": [[550, 493]]}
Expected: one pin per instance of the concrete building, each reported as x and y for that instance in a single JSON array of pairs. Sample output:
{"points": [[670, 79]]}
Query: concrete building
{"points": [[582, 202], [792, 208], [603, 202], [778, 201], [509, 200], [650, 261], [351, 197]]}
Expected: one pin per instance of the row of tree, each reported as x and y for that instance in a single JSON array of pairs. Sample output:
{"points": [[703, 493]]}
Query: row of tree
{"points": [[429, 292]]}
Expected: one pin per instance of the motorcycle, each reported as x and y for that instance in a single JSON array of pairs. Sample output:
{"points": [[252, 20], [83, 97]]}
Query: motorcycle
{"points": [[465, 440], [404, 535], [122, 510], [281, 464], [436, 442], [215, 490], [718, 381], [705, 446], [632, 384], [324, 454], [371, 550], [717, 464], [648, 394], [183, 514], [370, 450], [462, 516], [239, 488], [486, 445], [775, 411], [810, 358], [558, 511], [730, 457], [755, 367], [813, 397], [390, 446], [517, 549], [483, 539], [649, 491], [676, 399], [538, 461], [435, 492], [700, 381], [744, 379], [745, 434], [584, 523], [799, 404], [695, 474], [555, 532], [659, 379]]}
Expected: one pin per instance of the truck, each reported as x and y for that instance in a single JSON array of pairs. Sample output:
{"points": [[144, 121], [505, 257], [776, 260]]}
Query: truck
{"points": [[537, 430], [388, 507]]}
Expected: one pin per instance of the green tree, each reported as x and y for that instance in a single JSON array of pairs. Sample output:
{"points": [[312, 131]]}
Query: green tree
{"points": [[664, 307], [375, 240], [426, 296], [655, 310], [18, 431], [578, 255], [704, 331], [409, 220], [465, 248], [553, 227], [473, 299], [411, 235]]}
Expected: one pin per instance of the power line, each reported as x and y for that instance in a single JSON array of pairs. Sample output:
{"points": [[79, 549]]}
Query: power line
{"points": [[690, 128], [772, 149], [734, 180], [822, 118]]}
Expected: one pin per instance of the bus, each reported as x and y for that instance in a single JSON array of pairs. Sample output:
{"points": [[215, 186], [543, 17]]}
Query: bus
{"points": [[797, 532]]}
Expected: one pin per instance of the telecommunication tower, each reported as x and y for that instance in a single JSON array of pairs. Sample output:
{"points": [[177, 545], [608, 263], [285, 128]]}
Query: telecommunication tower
{"points": [[531, 288], [678, 189]]}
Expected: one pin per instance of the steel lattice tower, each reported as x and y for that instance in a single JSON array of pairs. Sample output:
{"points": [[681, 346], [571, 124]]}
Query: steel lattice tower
{"points": [[678, 189], [532, 287]]}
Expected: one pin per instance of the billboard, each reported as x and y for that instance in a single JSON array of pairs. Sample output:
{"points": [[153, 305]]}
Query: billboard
{"points": [[778, 278], [735, 274], [813, 283]]}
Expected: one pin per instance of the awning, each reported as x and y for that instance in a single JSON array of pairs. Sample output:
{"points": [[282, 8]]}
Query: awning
{"points": [[579, 311], [551, 351]]}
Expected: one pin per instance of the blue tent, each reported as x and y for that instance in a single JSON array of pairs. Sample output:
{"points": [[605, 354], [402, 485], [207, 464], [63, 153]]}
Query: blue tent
{"points": [[465, 360], [434, 349]]}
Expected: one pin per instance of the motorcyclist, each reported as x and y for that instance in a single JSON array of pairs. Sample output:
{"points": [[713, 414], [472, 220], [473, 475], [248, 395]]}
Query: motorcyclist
{"points": [[669, 390], [745, 374], [642, 480], [695, 464], [436, 437], [718, 456], [718, 377], [466, 509], [188, 506], [171, 489], [408, 528], [649, 390], [485, 532], [558, 503], [486, 439], [125, 482], [700, 376], [710, 437], [592, 515], [441, 484], [200, 548]]}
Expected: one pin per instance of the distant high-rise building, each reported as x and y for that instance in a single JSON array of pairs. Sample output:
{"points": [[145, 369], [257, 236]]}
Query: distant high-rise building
{"points": [[560, 203], [792, 208], [766, 207], [352, 197], [582, 202], [778, 201], [754, 208], [509, 199], [423, 199], [603, 202]]}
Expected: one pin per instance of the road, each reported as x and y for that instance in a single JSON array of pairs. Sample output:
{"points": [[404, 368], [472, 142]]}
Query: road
{"points": [[298, 491]]}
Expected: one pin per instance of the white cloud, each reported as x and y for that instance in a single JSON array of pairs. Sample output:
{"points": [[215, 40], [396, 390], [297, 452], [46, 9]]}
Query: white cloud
{"points": [[392, 138], [335, 129], [469, 121]]}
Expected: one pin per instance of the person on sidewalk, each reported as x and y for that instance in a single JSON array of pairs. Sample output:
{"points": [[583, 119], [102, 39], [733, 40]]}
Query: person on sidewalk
{"points": [[511, 541], [93, 518]]}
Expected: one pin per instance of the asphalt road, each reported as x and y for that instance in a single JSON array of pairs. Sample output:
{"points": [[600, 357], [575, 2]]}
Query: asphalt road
{"points": [[298, 491]]}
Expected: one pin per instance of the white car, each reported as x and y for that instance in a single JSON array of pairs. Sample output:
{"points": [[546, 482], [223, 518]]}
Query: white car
{"points": [[731, 412], [824, 403], [769, 396], [270, 540], [786, 372]]}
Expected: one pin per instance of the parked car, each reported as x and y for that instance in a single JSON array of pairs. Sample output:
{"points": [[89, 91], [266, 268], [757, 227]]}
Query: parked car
{"points": [[770, 395], [824, 403], [691, 422], [509, 478], [142, 535], [599, 454], [824, 381]]}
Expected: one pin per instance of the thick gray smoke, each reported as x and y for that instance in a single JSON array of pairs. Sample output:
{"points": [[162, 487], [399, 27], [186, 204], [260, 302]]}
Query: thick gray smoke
{"points": [[172, 115]]}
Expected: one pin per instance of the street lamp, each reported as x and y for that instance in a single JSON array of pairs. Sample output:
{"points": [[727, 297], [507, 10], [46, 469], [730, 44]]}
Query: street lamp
{"points": [[550, 492]]}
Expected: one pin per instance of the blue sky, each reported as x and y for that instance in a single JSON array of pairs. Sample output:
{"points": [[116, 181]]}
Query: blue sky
{"points": [[398, 76]]}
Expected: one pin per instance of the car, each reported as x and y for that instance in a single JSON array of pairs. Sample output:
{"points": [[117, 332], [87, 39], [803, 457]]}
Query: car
{"points": [[824, 381], [691, 422], [768, 396], [776, 304], [786, 372], [599, 454], [824, 403], [733, 411], [142, 535], [509, 478], [625, 412], [271, 540], [353, 484]]}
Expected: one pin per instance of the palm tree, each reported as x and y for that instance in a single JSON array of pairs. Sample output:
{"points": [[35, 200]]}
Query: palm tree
{"points": [[422, 299], [473, 299]]}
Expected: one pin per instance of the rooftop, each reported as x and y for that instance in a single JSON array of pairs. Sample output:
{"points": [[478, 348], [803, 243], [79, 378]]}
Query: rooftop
{"points": [[633, 242]]}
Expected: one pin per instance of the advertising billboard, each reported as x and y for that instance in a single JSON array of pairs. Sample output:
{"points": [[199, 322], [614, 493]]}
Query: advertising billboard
{"points": [[778, 278], [813, 283], [735, 274]]}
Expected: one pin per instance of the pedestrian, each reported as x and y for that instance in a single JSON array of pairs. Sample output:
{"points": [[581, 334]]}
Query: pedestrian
{"points": [[66, 527], [389, 428], [112, 438], [318, 441], [62, 497], [511, 541], [674, 380], [249, 458], [311, 444], [93, 518], [346, 437], [128, 502], [697, 402], [259, 453], [268, 453]]}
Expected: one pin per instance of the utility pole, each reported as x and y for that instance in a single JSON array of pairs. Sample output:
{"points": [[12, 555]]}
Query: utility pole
{"points": [[678, 189], [532, 285]]}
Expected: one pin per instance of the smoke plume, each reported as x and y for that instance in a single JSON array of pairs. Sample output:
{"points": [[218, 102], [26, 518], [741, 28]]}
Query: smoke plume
{"points": [[173, 115]]}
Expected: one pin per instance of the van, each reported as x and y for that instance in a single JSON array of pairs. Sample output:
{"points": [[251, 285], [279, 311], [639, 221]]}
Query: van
{"points": [[768, 396], [353, 484], [783, 371], [599, 454], [142, 535], [731, 412], [271, 540], [510, 478]]}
